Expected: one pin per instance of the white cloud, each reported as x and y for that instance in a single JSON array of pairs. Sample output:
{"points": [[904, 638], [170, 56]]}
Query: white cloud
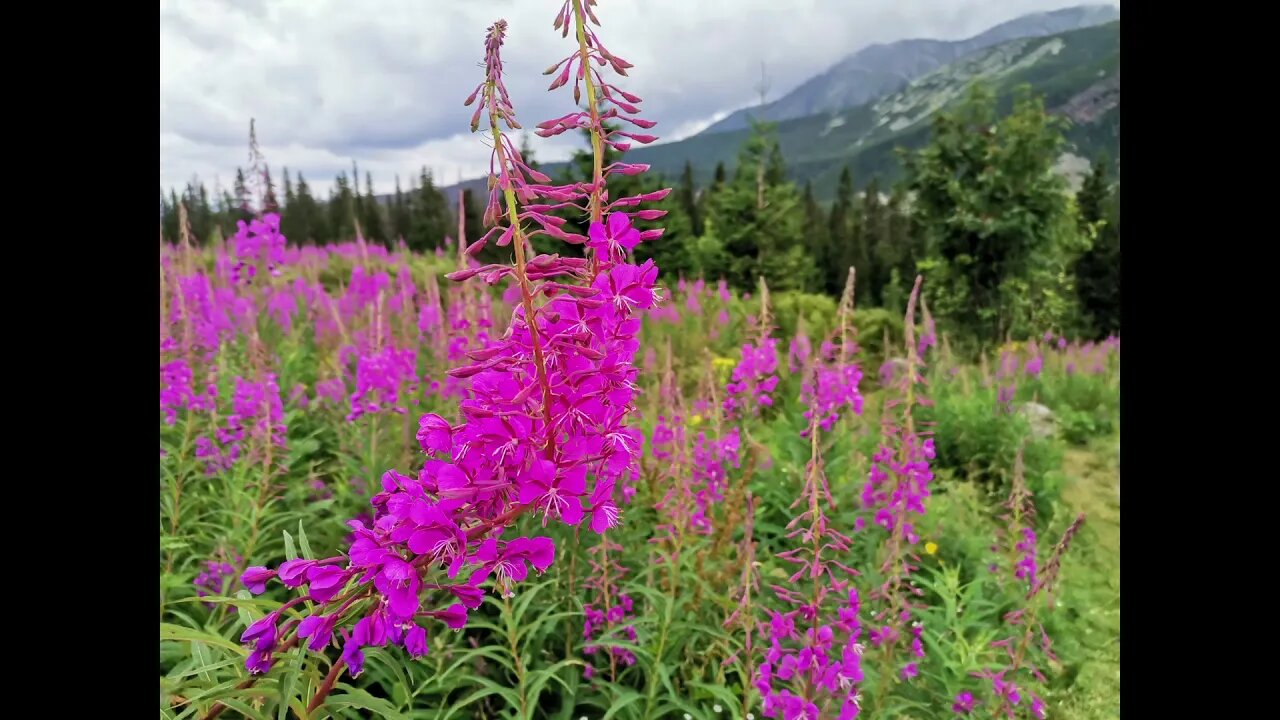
{"points": [[382, 81]]}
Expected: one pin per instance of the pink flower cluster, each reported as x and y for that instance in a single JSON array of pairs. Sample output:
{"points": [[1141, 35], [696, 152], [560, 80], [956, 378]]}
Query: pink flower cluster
{"points": [[545, 418], [754, 379]]}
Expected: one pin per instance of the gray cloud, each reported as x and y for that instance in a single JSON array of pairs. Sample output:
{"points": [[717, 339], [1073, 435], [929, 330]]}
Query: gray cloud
{"points": [[382, 81]]}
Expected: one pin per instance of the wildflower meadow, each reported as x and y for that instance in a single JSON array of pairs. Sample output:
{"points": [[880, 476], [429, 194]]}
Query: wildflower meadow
{"points": [[534, 475]]}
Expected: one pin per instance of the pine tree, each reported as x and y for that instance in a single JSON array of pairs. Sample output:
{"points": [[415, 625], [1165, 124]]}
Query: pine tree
{"points": [[474, 212], [243, 207], [762, 223], [840, 234], [900, 253], [169, 216], [877, 255], [371, 220], [342, 210], [290, 220], [202, 215], [687, 197], [776, 171], [1097, 272], [430, 217], [719, 178], [309, 225], [400, 217], [269, 202], [817, 238]]}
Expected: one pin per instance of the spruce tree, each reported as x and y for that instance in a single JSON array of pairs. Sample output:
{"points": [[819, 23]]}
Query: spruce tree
{"points": [[371, 221], [269, 201], [761, 223], [817, 238], [310, 225], [718, 179], [243, 207], [840, 234], [687, 197], [877, 255], [169, 216], [400, 217], [202, 215], [430, 217], [341, 210], [1097, 272]]}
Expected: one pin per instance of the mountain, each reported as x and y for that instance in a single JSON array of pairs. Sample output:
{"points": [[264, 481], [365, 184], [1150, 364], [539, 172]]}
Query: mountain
{"points": [[877, 70], [1077, 73]]}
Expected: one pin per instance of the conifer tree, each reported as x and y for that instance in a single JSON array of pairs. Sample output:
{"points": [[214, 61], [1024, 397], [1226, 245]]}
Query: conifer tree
{"points": [[371, 220], [1097, 272], [400, 217], [687, 197], [243, 204], [430, 217], [840, 234], [342, 210], [269, 201]]}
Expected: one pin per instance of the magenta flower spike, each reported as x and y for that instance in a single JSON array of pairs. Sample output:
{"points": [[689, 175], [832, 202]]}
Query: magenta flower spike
{"points": [[543, 426]]}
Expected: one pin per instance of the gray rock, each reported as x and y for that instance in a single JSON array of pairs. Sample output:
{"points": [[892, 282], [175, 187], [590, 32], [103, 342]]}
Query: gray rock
{"points": [[1043, 423]]}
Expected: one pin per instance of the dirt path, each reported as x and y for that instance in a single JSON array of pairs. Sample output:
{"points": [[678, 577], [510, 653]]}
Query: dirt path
{"points": [[1091, 583]]}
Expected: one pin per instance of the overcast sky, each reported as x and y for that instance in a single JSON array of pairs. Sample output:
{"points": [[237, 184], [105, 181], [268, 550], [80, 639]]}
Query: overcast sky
{"points": [[382, 81]]}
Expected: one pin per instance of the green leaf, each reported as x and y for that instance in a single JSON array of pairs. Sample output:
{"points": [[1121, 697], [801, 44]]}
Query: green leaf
{"points": [[361, 699], [245, 617], [289, 551], [302, 542], [169, 631]]}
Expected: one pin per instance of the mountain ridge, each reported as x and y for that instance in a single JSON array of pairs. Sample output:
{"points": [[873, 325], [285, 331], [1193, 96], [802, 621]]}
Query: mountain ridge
{"points": [[882, 68], [1076, 72]]}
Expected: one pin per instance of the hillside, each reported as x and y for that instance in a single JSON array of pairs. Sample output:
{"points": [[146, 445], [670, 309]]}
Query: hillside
{"points": [[1077, 73], [878, 70]]}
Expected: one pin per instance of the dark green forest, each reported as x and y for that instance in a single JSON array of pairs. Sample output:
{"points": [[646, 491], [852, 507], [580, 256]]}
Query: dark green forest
{"points": [[1008, 249]]}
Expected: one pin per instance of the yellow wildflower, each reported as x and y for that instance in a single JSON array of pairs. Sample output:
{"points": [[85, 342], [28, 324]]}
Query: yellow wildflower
{"points": [[695, 421], [931, 548]]}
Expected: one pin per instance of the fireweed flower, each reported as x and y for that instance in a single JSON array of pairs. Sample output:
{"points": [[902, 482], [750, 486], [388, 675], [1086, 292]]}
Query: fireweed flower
{"points": [[798, 353], [255, 424], [257, 247], [1004, 398], [610, 611], [896, 489], [830, 390], [813, 662], [543, 426], [383, 379], [179, 391], [1029, 647], [711, 461], [754, 379], [217, 579]]}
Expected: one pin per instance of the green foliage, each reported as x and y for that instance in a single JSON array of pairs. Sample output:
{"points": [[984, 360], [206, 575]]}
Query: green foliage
{"points": [[875, 327], [1097, 272], [979, 441], [818, 311], [760, 222], [999, 227], [430, 219]]}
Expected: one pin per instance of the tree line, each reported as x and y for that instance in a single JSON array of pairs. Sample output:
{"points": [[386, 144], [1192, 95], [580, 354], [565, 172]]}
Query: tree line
{"points": [[423, 215], [1006, 248]]}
